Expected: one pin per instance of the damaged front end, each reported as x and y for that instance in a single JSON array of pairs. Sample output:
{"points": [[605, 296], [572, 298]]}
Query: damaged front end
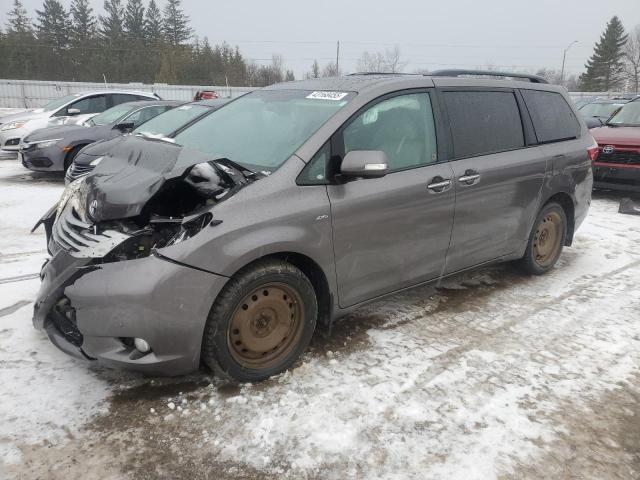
{"points": [[106, 287]]}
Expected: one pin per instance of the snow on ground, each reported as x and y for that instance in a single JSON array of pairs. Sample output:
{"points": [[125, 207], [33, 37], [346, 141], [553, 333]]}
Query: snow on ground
{"points": [[489, 375]]}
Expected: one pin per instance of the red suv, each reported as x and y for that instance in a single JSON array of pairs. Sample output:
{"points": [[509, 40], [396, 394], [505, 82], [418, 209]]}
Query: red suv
{"points": [[617, 166], [206, 95]]}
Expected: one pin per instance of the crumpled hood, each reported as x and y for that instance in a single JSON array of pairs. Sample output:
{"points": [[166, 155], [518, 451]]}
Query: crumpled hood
{"points": [[132, 172]]}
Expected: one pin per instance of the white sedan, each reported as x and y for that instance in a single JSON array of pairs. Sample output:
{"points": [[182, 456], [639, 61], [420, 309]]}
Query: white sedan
{"points": [[77, 108]]}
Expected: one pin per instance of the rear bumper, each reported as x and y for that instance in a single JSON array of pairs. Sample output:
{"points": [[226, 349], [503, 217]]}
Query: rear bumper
{"points": [[616, 177], [165, 303]]}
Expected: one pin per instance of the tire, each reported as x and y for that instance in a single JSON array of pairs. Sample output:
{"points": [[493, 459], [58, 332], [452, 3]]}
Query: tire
{"points": [[68, 160], [261, 322], [546, 240]]}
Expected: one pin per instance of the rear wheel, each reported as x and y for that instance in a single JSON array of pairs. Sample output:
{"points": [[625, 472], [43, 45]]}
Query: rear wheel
{"points": [[546, 240], [261, 322]]}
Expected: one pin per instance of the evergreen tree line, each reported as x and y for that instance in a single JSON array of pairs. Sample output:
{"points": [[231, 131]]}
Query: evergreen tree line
{"points": [[130, 42], [137, 42]]}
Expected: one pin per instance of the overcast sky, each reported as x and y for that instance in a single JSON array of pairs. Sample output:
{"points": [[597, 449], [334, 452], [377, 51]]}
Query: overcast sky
{"points": [[431, 35]]}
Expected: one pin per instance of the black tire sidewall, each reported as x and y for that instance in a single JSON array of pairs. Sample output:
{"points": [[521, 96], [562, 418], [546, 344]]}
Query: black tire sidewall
{"points": [[529, 262], [215, 350]]}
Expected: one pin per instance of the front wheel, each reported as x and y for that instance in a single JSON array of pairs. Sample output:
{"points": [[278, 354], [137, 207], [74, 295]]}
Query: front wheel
{"points": [[546, 240], [261, 322]]}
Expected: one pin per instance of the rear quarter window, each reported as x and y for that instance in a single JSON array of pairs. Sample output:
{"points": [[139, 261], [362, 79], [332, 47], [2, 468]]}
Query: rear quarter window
{"points": [[553, 119], [483, 122]]}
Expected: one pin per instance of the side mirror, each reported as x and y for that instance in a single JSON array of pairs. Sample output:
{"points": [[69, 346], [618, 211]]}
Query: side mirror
{"points": [[73, 111], [365, 164], [124, 127]]}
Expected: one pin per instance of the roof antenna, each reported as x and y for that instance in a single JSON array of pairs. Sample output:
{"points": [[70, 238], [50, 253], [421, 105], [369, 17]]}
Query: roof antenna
{"points": [[105, 81]]}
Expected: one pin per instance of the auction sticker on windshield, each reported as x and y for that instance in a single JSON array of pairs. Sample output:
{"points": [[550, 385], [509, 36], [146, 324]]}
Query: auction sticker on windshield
{"points": [[327, 95]]}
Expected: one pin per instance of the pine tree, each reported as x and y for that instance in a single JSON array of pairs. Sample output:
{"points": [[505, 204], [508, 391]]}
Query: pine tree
{"points": [[111, 24], [82, 38], [19, 55], [153, 25], [134, 19], [112, 44], [52, 31], [18, 22], [83, 21], [605, 68], [176, 24]]}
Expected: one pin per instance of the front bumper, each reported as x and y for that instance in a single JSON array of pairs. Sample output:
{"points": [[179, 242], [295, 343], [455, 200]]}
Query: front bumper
{"points": [[10, 139], [618, 177], [50, 159], [163, 302]]}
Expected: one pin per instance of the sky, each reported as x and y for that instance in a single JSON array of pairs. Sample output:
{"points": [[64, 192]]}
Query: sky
{"points": [[507, 34]]}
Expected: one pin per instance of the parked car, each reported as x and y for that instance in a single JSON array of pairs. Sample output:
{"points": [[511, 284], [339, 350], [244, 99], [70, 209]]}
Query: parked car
{"points": [[14, 128], [54, 148], [618, 163], [206, 95], [164, 126], [599, 111], [300, 202], [582, 101]]}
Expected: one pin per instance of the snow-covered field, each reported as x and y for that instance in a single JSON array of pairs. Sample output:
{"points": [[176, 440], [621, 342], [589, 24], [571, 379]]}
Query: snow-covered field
{"points": [[489, 375]]}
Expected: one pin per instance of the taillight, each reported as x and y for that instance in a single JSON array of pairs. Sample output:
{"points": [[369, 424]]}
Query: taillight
{"points": [[593, 151]]}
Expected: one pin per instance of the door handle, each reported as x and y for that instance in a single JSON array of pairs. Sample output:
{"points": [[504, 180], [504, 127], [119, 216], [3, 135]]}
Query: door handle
{"points": [[470, 177], [439, 184]]}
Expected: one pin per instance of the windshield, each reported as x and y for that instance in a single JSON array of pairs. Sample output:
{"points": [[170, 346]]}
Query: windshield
{"points": [[167, 123], [628, 115], [599, 109], [112, 115], [58, 102], [262, 129]]}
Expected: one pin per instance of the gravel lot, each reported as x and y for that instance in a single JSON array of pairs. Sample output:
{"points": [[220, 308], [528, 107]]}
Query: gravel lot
{"points": [[490, 375]]}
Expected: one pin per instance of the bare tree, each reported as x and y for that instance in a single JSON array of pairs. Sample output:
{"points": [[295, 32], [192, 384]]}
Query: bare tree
{"points": [[632, 54], [392, 60], [371, 62], [388, 62], [330, 70]]}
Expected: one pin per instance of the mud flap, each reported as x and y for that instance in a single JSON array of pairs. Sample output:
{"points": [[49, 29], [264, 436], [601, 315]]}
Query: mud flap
{"points": [[629, 206]]}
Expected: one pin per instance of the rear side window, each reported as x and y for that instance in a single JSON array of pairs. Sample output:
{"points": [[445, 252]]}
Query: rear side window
{"points": [[553, 119], [118, 98], [483, 122]]}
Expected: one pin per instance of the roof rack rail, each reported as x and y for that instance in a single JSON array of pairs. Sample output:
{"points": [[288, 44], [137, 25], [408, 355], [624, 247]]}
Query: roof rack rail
{"points": [[380, 73], [488, 73]]}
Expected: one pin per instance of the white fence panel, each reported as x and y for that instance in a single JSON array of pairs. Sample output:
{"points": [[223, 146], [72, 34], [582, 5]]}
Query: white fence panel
{"points": [[34, 93]]}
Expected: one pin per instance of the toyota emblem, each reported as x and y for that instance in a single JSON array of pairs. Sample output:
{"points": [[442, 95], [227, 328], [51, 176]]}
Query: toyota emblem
{"points": [[609, 149], [93, 207]]}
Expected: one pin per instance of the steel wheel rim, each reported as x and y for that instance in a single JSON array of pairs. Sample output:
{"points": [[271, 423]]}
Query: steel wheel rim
{"points": [[547, 240], [266, 326]]}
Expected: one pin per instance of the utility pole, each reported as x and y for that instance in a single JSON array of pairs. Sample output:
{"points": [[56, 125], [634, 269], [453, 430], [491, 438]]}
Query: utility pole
{"points": [[564, 57], [338, 59]]}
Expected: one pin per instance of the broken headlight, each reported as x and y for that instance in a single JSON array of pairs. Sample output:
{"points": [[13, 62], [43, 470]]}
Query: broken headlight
{"points": [[69, 192], [190, 227]]}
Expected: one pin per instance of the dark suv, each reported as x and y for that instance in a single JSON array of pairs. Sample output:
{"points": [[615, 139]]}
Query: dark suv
{"points": [[296, 204]]}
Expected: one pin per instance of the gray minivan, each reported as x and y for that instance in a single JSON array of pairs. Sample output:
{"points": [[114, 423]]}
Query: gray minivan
{"points": [[299, 202]]}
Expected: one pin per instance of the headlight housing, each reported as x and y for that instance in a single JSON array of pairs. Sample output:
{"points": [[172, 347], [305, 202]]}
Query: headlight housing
{"points": [[190, 228], [69, 192], [13, 125], [41, 143]]}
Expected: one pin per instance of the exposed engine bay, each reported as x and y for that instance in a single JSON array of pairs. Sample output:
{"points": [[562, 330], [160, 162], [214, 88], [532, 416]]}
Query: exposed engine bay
{"points": [[121, 214]]}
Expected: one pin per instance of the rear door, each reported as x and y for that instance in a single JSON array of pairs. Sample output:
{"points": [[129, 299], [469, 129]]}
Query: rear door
{"points": [[391, 232], [498, 174]]}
